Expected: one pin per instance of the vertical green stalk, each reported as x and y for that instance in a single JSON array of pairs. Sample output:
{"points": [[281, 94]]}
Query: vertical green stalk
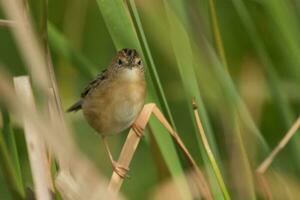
{"points": [[148, 57], [43, 34], [236, 129], [60, 45], [182, 49], [216, 32], [245, 160], [7, 166], [287, 28], [279, 97], [9, 137], [210, 154], [235, 99], [185, 71]]}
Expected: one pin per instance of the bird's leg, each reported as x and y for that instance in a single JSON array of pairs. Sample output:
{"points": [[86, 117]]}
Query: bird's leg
{"points": [[120, 170], [138, 130]]}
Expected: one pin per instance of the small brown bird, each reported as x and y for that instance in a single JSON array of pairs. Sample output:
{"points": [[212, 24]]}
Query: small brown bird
{"points": [[112, 101]]}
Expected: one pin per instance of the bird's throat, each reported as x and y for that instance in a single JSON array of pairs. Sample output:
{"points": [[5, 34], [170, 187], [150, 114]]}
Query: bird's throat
{"points": [[132, 75]]}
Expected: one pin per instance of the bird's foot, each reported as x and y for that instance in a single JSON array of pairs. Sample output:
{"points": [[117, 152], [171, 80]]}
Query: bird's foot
{"points": [[120, 170], [138, 130]]}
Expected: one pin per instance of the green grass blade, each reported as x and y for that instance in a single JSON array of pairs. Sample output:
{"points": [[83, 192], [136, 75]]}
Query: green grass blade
{"points": [[183, 52], [287, 29], [149, 59], [186, 72], [249, 175], [236, 129], [62, 47], [9, 172], [9, 137], [279, 97], [235, 99], [210, 154], [216, 33]]}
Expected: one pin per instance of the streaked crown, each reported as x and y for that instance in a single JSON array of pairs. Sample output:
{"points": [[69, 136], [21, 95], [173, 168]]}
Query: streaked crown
{"points": [[128, 58]]}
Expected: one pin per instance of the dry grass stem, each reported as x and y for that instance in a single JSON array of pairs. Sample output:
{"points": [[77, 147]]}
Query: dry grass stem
{"points": [[56, 134], [168, 189], [203, 185], [84, 183], [130, 146], [61, 145], [6, 23], [35, 144], [54, 88], [27, 41], [39, 62], [209, 152], [268, 161], [265, 189], [67, 186], [261, 170], [53, 112], [132, 141]]}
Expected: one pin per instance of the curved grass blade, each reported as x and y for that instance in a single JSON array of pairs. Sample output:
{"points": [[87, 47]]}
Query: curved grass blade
{"points": [[287, 27], [273, 79], [216, 32], [60, 45], [184, 56], [149, 59], [236, 130], [12, 147], [9, 173], [210, 154], [235, 99]]}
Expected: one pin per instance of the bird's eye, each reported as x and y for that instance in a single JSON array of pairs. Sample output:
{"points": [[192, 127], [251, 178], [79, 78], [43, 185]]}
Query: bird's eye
{"points": [[120, 62], [140, 62]]}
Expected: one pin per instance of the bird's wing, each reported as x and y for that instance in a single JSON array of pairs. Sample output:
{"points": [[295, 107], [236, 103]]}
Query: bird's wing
{"points": [[78, 105], [94, 83]]}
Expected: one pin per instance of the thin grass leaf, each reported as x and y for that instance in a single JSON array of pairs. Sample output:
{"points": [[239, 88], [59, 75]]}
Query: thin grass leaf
{"points": [[149, 59], [190, 86], [8, 171], [249, 177], [62, 47], [9, 136], [235, 99], [237, 133], [203, 185], [279, 96], [184, 57], [216, 33], [283, 142], [210, 154], [288, 31]]}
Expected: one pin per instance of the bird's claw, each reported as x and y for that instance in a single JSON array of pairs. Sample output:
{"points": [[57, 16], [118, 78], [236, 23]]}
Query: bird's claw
{"points": [[120, 170], [138, 130]]}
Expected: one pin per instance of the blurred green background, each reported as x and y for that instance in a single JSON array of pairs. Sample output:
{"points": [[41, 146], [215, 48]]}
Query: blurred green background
{"points": [[251, 94]]}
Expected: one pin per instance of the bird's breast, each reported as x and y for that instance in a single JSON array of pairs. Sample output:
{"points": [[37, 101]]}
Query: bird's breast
{"points": [[129, 100], [113, 107]]}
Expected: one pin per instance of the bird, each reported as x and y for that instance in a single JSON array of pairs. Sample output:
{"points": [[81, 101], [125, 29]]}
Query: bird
{"points": [[113, 100]]}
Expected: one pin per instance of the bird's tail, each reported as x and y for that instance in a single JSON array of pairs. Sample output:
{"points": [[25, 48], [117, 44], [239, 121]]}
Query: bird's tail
{"points": [[75, 107]]}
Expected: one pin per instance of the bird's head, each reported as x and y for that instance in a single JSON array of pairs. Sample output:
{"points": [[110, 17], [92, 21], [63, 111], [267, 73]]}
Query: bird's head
{"points": [[128, 59]]}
